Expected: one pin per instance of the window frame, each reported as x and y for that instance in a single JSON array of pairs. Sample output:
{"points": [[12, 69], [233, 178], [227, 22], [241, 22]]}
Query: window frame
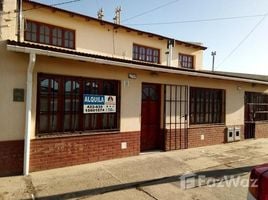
{"points": [[51, 36], [137, 55], [206, 107], [1, 5], [81, 116], [255, 104], [182, 55]]}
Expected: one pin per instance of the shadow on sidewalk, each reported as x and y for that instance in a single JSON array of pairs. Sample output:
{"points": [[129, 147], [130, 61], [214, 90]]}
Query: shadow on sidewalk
{"points": [[169, 179]]}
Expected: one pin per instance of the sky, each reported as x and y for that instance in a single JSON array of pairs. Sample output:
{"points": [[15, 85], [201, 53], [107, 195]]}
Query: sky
{"points": [[241, 43]]}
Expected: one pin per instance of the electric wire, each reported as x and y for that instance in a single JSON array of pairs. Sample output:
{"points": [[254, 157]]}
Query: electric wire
{"points": [[151, 10], [244, 39], [199, 20], [97, 2], [55, 4], [38, 7]]}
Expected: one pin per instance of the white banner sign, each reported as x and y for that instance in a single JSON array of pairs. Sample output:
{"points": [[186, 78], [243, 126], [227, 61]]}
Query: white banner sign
{"points": [[99, 104]]}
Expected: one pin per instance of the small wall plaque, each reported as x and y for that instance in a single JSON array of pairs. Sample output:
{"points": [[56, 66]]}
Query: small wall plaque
{"points": [[18, 95]]}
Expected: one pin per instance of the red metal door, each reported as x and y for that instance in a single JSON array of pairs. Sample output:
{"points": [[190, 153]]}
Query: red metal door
{"points": [[150, 117]]}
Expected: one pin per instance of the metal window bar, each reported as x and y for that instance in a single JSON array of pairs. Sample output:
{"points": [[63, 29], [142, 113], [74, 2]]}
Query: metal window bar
{"points": [[256, 109], [176, 97]]}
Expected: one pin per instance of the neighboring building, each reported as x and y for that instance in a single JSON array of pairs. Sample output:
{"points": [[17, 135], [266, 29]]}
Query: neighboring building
{"points": [[55, 65]]}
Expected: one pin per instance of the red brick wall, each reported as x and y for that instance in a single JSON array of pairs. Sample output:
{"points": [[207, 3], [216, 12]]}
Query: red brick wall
{"points": [[48, 153], [175, 139], [212, 135], [11, 157], [261, 130]]}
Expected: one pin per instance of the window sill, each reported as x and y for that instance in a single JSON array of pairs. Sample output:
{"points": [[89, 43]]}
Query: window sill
{"points": [[261, 122], [76, 134], [206, 125], [50, 45], [147, 62]]}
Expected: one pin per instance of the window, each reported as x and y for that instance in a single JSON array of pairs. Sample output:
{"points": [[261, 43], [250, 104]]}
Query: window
{"points": [[207, 106], [60, 104], [69, 39], [44, 35], [31, 33], [186, 61], [1, 5], [49, 34], [256, 106], [147, 54], [57, 36]]}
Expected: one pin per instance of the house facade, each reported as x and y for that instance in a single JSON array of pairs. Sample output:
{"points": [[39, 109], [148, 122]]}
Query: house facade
{"points": [[76, 90]]}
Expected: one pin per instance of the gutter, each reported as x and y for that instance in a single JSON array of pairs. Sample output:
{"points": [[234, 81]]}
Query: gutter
{"points": [[21, 49], [27, 141]]}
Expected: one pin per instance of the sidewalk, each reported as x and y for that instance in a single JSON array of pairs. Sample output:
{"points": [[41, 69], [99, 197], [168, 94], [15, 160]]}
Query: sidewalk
{"points": [[139, 177]]}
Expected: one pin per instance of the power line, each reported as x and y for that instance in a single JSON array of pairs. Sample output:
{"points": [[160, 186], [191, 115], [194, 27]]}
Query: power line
{"points": [[38, 7], [151, 10], [198, 20], [55, 4], [244, 39], [97, 2]]}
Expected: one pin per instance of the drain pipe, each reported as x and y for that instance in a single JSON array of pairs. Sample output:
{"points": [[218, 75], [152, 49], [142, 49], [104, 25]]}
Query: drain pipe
{"points": [[170, 45], [27, 139]]}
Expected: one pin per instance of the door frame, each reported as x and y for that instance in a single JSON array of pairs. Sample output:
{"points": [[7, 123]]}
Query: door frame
{"points": [[160, 135]]}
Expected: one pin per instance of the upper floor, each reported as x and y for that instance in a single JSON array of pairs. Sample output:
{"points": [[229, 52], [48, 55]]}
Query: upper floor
{"points": [[47, 25]]}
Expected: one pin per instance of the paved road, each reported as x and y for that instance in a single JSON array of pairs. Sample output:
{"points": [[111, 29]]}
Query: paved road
{"points": [[216, 172]]}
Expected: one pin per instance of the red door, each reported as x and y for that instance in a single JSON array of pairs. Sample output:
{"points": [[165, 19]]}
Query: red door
{"points": [[150, 117]]}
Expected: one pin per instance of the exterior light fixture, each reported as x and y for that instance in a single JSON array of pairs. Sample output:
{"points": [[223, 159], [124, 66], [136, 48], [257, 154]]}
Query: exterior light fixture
{"points": [[132, 76]]}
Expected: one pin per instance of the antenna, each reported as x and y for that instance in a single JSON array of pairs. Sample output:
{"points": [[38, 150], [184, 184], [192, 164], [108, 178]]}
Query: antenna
{"points": [[117, 18], [213, 53], [100, 14]]}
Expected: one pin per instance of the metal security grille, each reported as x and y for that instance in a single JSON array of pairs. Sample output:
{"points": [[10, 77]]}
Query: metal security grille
{"points": [[176, 116], [256, 109]]}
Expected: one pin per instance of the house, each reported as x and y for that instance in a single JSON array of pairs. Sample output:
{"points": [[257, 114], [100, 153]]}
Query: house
{"points": [[76, 89]]}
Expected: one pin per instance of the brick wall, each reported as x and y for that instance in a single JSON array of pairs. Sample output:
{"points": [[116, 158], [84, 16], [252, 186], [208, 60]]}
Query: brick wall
{"points": [[11, 157], [212, 135], [175, 139], [48, 153], [261, 130]]}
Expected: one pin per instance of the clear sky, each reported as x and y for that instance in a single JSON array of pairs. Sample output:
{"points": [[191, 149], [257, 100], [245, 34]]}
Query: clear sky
{"points": [[223, 36]]}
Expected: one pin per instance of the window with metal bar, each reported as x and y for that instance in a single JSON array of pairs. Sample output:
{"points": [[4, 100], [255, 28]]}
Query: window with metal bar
{"points": [[207, 106], [256, 107], [60, 104]]}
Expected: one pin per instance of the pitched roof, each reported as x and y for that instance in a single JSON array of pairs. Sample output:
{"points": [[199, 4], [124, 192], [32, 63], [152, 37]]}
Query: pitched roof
{"points": [[49, 51], [37, 5]]}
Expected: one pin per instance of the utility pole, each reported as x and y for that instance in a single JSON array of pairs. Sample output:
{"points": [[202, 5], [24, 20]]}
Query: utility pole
{"points": [[117, 18], [213, 53], [100, 14]]}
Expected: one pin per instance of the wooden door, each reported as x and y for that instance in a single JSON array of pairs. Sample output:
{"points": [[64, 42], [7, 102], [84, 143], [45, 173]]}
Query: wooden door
{"points": [[150, 117]]}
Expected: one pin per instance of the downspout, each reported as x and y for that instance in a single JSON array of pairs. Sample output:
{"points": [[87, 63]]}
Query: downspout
{"points": [[170, 45], [170, 52], [27, 139], [19, 20]]}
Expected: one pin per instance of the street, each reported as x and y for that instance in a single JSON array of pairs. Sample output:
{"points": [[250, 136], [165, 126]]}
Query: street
{"points": [[215, 172]]}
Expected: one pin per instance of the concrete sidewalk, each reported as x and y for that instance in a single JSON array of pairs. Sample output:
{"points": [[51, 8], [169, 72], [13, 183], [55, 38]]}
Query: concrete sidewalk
{"points": [[148, 176]]}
